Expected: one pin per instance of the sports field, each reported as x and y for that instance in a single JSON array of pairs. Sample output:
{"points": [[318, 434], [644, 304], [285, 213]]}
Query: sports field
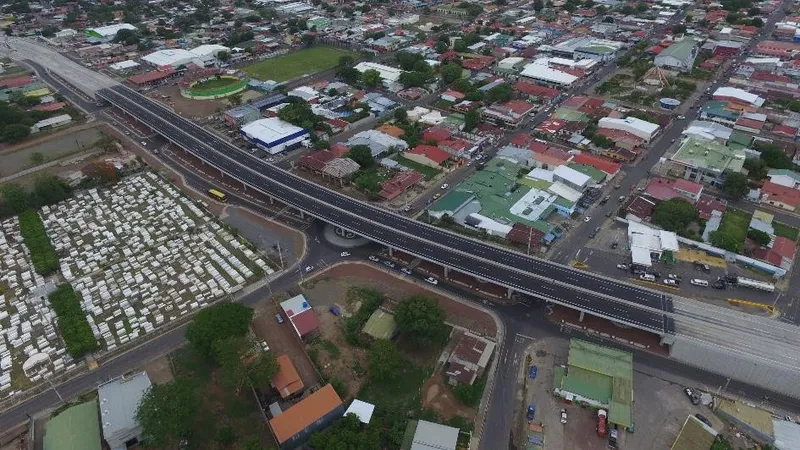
{"points": [[215, 83], [293, 65]]}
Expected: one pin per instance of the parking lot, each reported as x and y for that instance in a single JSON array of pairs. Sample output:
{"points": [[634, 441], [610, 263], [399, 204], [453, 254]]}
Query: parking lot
{"points": [[659, 407]]}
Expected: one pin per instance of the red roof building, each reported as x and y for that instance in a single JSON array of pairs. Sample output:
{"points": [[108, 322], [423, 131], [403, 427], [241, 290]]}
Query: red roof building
{"points": [[436, 134], [428, 155], [621, 138], [316, 161], [151, 77], [55, 106], [780, 196], [339, 150], [598, 163], [301, 315], [779, 49], [481, 63], [785, 130], [10, 83], [534, 91], [707, 204], [641, 207], [400, 183]]}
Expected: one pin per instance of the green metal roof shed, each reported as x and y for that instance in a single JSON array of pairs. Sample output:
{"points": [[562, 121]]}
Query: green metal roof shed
{"points": [[77, 428]]}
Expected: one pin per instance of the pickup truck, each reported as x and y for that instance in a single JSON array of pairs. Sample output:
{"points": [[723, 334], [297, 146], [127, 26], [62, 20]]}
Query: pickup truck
{"points": [[602, 424]]}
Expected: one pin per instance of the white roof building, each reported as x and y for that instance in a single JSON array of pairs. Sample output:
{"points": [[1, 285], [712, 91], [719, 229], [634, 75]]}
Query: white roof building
{"points": [[739, 94], [172, 57], [273, 135], [539, 70], [434, 436], [361, 409], [637, 127], [510, 63], [707, 130], [109, 32], [646, 241], [389, 75], [209, 50], [119, 399], [571, 177], [124, 65], [378, 141]]}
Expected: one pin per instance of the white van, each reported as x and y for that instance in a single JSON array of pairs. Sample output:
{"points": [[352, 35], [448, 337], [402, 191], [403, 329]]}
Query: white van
{"points": [[699, 282], [647, 277]]}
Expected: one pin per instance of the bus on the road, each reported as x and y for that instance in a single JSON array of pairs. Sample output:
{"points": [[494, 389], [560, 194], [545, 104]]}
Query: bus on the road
{"points": [[217, 195]]}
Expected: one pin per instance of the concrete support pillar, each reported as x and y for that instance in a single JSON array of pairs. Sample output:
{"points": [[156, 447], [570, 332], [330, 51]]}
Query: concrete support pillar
{"points": [[244, 186], [446, 272], [271, 200], [302, 214], [580, 319], [391, 252], [508, 293]]}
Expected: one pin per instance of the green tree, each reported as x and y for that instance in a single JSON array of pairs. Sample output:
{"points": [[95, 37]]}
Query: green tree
{"points": [[15, 197], [49, 31], [235, 356], [347, 433], [736, 185], [371, 78], [472, 119], [451, 72], [720, 443], [401, 114], [724, 238], [421, 320], [732, 18], [774, 157], [361, 154], [224, 56], [759, 237], [501, 93], [346, 60], [167, 413], [348, 74], [16, 132], [757, 22], [442, 47], [385, 361], [235, 99], [48, 190], [674, 214], [679, 29], [215, 323], [641, 7]]}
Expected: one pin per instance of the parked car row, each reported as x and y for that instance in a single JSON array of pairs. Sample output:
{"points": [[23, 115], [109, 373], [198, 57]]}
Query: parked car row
{"points": [[391, 264]]}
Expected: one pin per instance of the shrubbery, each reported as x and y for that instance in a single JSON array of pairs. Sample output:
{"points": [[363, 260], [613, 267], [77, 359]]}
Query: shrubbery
{"points": [[43, 255], [72, 321]]}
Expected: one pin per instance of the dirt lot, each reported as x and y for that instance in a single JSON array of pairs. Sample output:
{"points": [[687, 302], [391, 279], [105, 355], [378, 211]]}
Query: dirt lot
{"points": [[188, 107], [159, 370], [438, 396], [326, 288]]}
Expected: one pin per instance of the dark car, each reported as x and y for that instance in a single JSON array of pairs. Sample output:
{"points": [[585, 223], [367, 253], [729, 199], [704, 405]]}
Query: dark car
{"points": [[531, 412], [732, 279], [703, 419], [692, 396]]}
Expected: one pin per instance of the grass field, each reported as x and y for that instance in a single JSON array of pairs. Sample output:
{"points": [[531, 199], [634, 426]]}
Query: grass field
{"points": [[781, 229], [214, 83], [427, 171], [293, 65]]}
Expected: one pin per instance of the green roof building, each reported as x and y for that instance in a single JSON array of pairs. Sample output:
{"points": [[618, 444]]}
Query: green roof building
{"points": [[77, 428], [679, 56], [706, 161], [601, 377]]}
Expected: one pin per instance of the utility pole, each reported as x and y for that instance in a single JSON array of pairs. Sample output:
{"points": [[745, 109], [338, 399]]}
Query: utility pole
{"points": [[530, 236], [280, 254]]}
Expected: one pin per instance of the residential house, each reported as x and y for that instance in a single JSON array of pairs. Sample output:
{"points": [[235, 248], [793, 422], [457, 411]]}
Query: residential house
{"points": [[424, 435], [785, 177], [468, 359], [637, 127], [780, 196], [287, 381], [399, 183], [427, 155], [781, 254], [300, 314], [610, 168], [315, 162], [294, 426], [378, 142], [511, 113]]}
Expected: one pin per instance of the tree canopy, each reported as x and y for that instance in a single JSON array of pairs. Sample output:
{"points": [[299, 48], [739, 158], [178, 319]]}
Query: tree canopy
{"points": [[385, 361], [501, 93], [371, 78], [239, 365], [167, 412], [736, 185], [216, 323], [759, 237], [472, 119], [451, 72], [674, 214], [361, 154], [347, 433], [774, 157], [421, 320]]}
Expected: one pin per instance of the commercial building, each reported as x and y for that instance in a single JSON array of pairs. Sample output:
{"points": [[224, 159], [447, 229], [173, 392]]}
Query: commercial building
{"points": [[679, 56], [201, 56], [739, 96], [540, 72], [241, 115], [648, 244], [785, 177], [599, 376], [390, 76], [119, 399], [585, 47], [108, 33], [76, 428], [294, 426], [287, 381], [424, 435], [640, 128], [378, 142], [511, 113], [274, 135], [707, 161], [302, 317]]}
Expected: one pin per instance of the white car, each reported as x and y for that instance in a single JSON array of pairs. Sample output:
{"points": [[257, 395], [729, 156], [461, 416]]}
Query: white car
{"points": [[309, 268], [406, 270], [144, 144], [374, 258], [563, 416], [672, 276], [622, 266], [264, 346], [670, 282], [445, 186], [432, 280], [587, 219], [388, 264], [345, 254]]}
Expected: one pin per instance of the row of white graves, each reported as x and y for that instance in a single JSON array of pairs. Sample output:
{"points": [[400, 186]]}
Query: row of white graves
{"points": [[141, 254], [28, 337]]}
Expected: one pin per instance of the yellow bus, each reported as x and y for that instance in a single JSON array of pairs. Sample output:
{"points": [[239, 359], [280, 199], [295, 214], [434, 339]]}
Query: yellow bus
{"points": [[218, 195]]}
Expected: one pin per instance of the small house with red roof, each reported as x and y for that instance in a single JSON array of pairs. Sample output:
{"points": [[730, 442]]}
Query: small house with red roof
{"points": [[301, 316], [427, 155], [780, 196], [511, 113], [469, 358], [707, 204], [401, 182], [609, 167], [436, 134], [536, 92], [316, 161], [479, 63], [452, 96]]}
